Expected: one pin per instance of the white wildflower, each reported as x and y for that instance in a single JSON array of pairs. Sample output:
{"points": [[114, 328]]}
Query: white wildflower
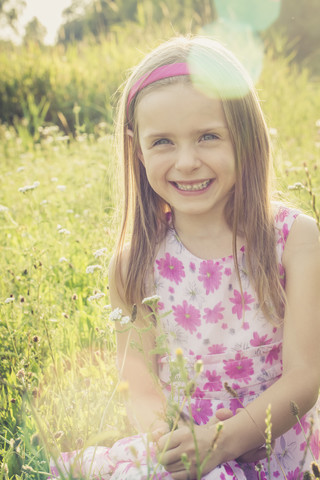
{"points": [[116, 314], [100, 252], [296, 186], [3, 208], [62, 230], [20, 169], [62, 138], [97, 296], [69, 210], [92, 268], [44, 202], [63, 259], [154, 299], [82, 137], [26, 188], [61, 188], [107, 307], [54, 179], [273, 132], [125, 320], [27, 468], [9, 300], [318, 123]]}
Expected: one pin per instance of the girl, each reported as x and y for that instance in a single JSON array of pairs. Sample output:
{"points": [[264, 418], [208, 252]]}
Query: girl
{"points": [[238, 278]]}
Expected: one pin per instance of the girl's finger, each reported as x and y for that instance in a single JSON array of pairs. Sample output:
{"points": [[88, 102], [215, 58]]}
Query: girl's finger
{"points": [[171, 460], [158, 433], [223, 414], [169, 441]]}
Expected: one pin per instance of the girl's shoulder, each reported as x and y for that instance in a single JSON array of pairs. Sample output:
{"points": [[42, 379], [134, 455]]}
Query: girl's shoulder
{"points": [[293, 229]]}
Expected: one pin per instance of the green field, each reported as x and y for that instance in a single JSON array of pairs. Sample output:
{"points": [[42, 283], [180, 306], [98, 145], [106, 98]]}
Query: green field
{"points": [[60, 204]]}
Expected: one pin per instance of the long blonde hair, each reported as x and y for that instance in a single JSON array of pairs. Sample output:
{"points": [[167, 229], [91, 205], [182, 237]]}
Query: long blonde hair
{"points": [[248, 211]]}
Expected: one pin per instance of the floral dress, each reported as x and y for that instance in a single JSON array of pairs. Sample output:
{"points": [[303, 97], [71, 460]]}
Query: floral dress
{"points": [[240, 353]]}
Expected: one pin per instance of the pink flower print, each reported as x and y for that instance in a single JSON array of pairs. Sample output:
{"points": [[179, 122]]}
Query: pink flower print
{"points": [[257, 341], [227, 271], [198, 393], [296, 474], [216, 349], [171, 268], [273, 354], [213, 384], [187, 316], [212, 315], [201, 410], [210, 275], [237, 300], [171, 289], [160, 305], [315, 443], [192, 267], [304, 423], [234, 405], [241, 368], [281, 215], [283, 235]]}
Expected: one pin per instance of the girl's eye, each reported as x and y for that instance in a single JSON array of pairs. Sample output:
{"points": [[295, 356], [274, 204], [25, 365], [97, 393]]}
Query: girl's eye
{"points": [[161, 141], [209, 136]]}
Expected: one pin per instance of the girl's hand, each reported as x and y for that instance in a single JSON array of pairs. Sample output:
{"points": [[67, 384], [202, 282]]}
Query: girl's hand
{"points": [[181, 441], [253, 455], [159, 431]]}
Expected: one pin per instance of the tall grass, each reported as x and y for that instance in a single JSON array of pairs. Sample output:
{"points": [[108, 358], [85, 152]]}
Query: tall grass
{"points": [[58, 376]]}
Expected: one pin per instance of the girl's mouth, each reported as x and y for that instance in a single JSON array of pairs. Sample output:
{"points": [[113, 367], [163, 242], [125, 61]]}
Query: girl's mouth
{"points": [[192, 187]]}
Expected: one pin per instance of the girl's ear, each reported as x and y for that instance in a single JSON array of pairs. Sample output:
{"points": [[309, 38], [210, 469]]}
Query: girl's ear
{"points": [[140, 156]]}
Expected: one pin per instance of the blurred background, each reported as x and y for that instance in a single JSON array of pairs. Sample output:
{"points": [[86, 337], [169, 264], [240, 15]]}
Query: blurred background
{"points": [[55, 55]]}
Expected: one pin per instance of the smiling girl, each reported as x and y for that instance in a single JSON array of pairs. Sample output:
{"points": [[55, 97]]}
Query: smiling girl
{"points": [[238, 274]]}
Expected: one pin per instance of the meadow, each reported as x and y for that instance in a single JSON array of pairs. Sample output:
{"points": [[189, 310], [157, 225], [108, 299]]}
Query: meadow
{"points": [[60, 205]]}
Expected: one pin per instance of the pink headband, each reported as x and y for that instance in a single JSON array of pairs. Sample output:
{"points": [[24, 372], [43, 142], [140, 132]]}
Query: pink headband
{"points": [[165, 71]]}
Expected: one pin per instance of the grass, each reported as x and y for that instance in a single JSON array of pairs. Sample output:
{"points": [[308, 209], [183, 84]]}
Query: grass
{"points": [[57, 347], [57, 373]]}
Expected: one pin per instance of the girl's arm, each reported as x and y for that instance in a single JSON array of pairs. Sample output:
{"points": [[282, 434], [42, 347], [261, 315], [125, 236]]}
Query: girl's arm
{"points": [[301, 362], [301, 353], [146, 402]]}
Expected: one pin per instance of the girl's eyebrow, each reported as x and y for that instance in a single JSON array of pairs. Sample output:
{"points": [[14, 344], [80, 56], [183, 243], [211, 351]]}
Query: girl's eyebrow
{"points": [[209, 128]]}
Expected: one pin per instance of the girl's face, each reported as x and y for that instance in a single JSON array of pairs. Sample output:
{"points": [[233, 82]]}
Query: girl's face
{"points": [[186, 150]]}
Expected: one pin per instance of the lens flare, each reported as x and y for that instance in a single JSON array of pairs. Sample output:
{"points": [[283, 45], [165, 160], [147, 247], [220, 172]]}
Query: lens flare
{"points": [[237, 27], [258, 14], [218, 74], [245, 44]]}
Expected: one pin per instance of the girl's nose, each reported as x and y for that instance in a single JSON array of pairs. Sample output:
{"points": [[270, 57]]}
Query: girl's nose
{"points": [[187, 159]]}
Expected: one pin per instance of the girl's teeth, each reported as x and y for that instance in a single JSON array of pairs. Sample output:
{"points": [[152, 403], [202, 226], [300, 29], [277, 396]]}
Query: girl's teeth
{"points": [[192, 187]]}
